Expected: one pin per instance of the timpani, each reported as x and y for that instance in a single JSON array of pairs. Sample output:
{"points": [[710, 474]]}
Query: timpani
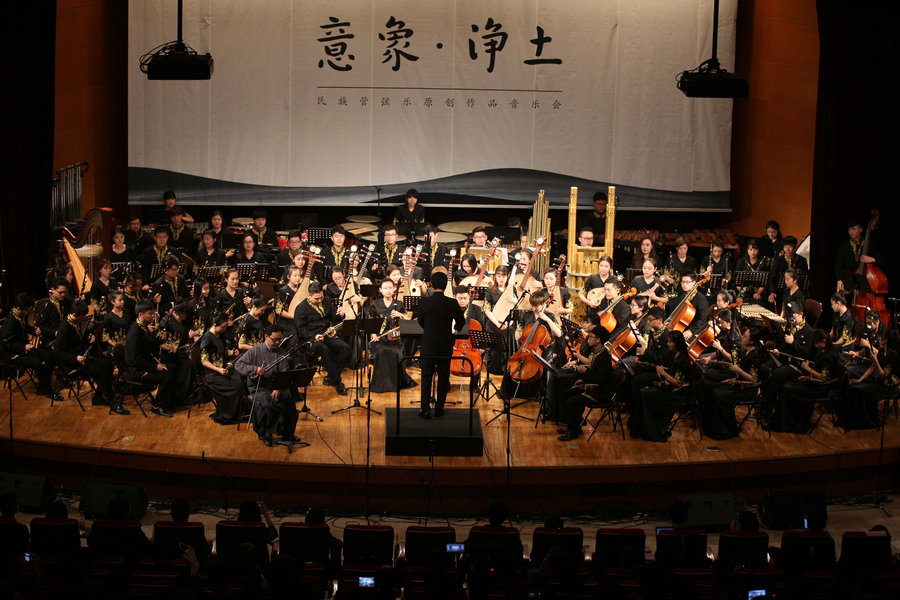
{"points": [[465, 227], [362, 219]]}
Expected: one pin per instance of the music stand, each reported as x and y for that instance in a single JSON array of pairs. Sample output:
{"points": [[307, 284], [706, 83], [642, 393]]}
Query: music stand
{"points": [[351, 328], [245, 271], [755, 279], [477, 292], [630, 274], [326, 272], [318, 235], [411, 303], [295, 379], [803, 282], [570, 328], [548, 368], [157, 270], [211, 274], [488, 341], [122, 269]]}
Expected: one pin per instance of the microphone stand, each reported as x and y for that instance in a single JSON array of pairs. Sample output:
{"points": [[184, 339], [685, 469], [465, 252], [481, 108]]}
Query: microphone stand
{"points": [[229, 482]]}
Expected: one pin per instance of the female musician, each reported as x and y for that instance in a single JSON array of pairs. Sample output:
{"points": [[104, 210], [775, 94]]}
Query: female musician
{"points": [[680, 261], [795, 405], [393, 273], [208, 255], [753, 262], [223, 383], [724, 348], [717, 262], [233, 300], [468, 265], [251, 329], [387, 352], [116, 322], [200, 305], [496, 360], [539, 317], [771, 244], [646, 250], [411, 212], [719, 397], [215, 226], [596, 281], [119, 252], [247, 253], [859, 407], [791, 293], [701, 304], [653, 409], [551, 283], [286, 293], [101, 286], [648, 284], [298, 261]]}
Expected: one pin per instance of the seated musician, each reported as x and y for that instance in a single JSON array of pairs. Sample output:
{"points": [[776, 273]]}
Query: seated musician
{"points": [[216, 222], [101, 286], [646, 249], [435, 252], [156, 253], [119, 251], [116, 321], [523, 257], [472, 312], [717, 262], [869, 341], [252, 328], [595, 281], [648, 284], [723, 300], [794, 405], [299, 260], [133, 294], [679, 261], [754, 263], [54, 312], [540, 317], [497, 360], [719, 395], [287, 293], [479, 238], [386, 349], [701, 304], [468, 267], [789, 259], [173, 351], [564, 307], [170, 287], [295, 245], [223, 383], [791, 294], [247, 254], [181, 239], [136, 238], [573, 369], [585, 237], [410, 213], [208, 255], [881, 381], [261, 234], [390, 252], [621, 312], [233, 300], [655, 405], [843, 327], [595, 384], [652, 350], [200, 306], [795, 346], [337, 255], [19, 345], [274, 412], [850, 258], [169, 206], [143, 367], [724, 347], [335, 291], [312, 319]]}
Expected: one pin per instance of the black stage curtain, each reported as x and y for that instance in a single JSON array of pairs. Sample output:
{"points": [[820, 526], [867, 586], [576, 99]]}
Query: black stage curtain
{"points": [[27, 77], [857, 133]]}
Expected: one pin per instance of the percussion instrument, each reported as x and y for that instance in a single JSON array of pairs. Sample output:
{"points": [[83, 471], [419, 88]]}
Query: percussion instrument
{"points": [[242, 222], [370, 237], [448, 237], [757, 312], [359, 228], [283, 239], [362, 219], [465, 227]]}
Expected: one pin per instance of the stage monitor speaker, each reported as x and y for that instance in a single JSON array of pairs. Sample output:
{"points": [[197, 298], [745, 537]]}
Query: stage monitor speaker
{"points": [[802, 509], [712, 512], [34, 492], [96, 496]]}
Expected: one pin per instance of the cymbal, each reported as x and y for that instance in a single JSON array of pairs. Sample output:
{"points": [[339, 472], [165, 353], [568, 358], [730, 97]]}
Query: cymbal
{"points": [[465, 227], [362, 219], [359, 228]]}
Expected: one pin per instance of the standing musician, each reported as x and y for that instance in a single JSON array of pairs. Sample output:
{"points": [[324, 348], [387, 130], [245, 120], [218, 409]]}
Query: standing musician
{"points": [[597, 374], [215, 226], [181, 239], [19, 345], [753, 262], [410, 213], [233, 300], [73, 347], [391, 252], [54, 312], [208, 255], [170, 287], [252, 329], [648, 284], [387, 349], [261, 234], [156, 253], [173, 350], [435, 252], [143, 367], [701, 304], [717, 262], [597, 219], [312, 318], [680, 261], [223, 383], [437, 313], [788, 260], [597, 280], [849, 257], [116, 321], [274, 412], [136, 238]]}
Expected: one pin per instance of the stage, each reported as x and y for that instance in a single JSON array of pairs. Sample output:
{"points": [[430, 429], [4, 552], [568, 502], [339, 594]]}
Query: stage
{"points": [[196, 458]]}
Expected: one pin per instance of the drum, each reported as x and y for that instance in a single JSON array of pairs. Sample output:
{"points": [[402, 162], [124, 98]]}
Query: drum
{"points": [[465, 227], [362, 219], [242, 222], [370, 237], [283, 239], [359, 228], [450, 238]]}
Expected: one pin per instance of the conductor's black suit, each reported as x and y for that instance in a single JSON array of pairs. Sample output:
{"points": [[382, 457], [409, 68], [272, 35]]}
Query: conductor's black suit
{"points": [[437, 313]]}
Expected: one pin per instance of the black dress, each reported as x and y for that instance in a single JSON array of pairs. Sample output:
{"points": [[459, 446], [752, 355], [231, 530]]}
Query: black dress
{"points": [[858, 408], [795, 406], [226, 389], [718, 399], [386, 354], [653, 409]]}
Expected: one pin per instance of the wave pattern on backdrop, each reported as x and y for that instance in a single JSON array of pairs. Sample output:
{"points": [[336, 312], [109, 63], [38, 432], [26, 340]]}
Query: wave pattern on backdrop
{"points": [[329, 99]]}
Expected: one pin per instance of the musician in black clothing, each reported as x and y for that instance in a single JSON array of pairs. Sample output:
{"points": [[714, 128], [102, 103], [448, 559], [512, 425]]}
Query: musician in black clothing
{"points": [[135, 238], [596, 281], [797, 343], [791, 294], [156, 253], [718, 262], [652, 350], [701, 304], [261, 234], [789, 259], [597, 219], [143, 366], [621, 312], [652, 410], [797, 401], [173, 351], [679, 262], [74, 348], [386, 347], [171, 287], [248, 252], [133, 294], [771, 245], [390, 253], [313, 318], [753, 262], [843, 326], [120, 251], [436, 315], [295, 246], [252, 329], [233, 299], [116, 321], [181, 238], [435, 252], [208, 255], [18, 344], [410, 214], [223, 383], [881, 381], [54, 312], [337, 255], [595, 384], [850, 257]]}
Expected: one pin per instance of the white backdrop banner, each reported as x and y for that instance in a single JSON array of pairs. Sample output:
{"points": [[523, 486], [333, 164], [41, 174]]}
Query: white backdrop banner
{"points": [[321, 100]]}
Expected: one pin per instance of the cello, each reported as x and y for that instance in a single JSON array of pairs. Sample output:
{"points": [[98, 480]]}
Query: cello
{"points": [[684, 313], [463, 349], [607, 320], [703, 340], [522, 366], [625, 341], [876, 280]]}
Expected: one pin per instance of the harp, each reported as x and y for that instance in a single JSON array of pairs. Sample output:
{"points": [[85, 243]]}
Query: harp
{"points": [[85, 249]]}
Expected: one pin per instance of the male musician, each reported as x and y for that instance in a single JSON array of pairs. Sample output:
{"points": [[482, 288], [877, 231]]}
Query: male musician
{"points": [[337, 255], [850, 256], [312, 318], [133, 294], [525, 255], [260, 233], [843, 326], [391, 251], [18, 347], [273, 411], [251, 330], [436, 315], [621, 311], [410, 213], [788, 260], [135, 238], [435, 252], [155, 254], [171, 287], [652, 350], [701, 304], [141, 364], [295, 245], [479, 238], [72, 347], [597, 219], [181, 239], [49, 319], [585, 237], [598, 375]]}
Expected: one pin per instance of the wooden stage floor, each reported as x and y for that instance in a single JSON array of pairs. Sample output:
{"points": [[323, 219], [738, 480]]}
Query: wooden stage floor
{"points": [[196, 457]]}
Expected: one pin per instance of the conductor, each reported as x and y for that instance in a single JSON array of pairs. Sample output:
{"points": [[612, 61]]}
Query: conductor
{"points": [[437, 313]]}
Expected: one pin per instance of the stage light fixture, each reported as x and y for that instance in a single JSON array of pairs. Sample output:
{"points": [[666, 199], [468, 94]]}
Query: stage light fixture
{"points": [[176, 60], [709, 79]]}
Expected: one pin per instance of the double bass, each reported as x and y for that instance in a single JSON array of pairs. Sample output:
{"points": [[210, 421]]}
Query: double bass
{"points": [[876, 280]]}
